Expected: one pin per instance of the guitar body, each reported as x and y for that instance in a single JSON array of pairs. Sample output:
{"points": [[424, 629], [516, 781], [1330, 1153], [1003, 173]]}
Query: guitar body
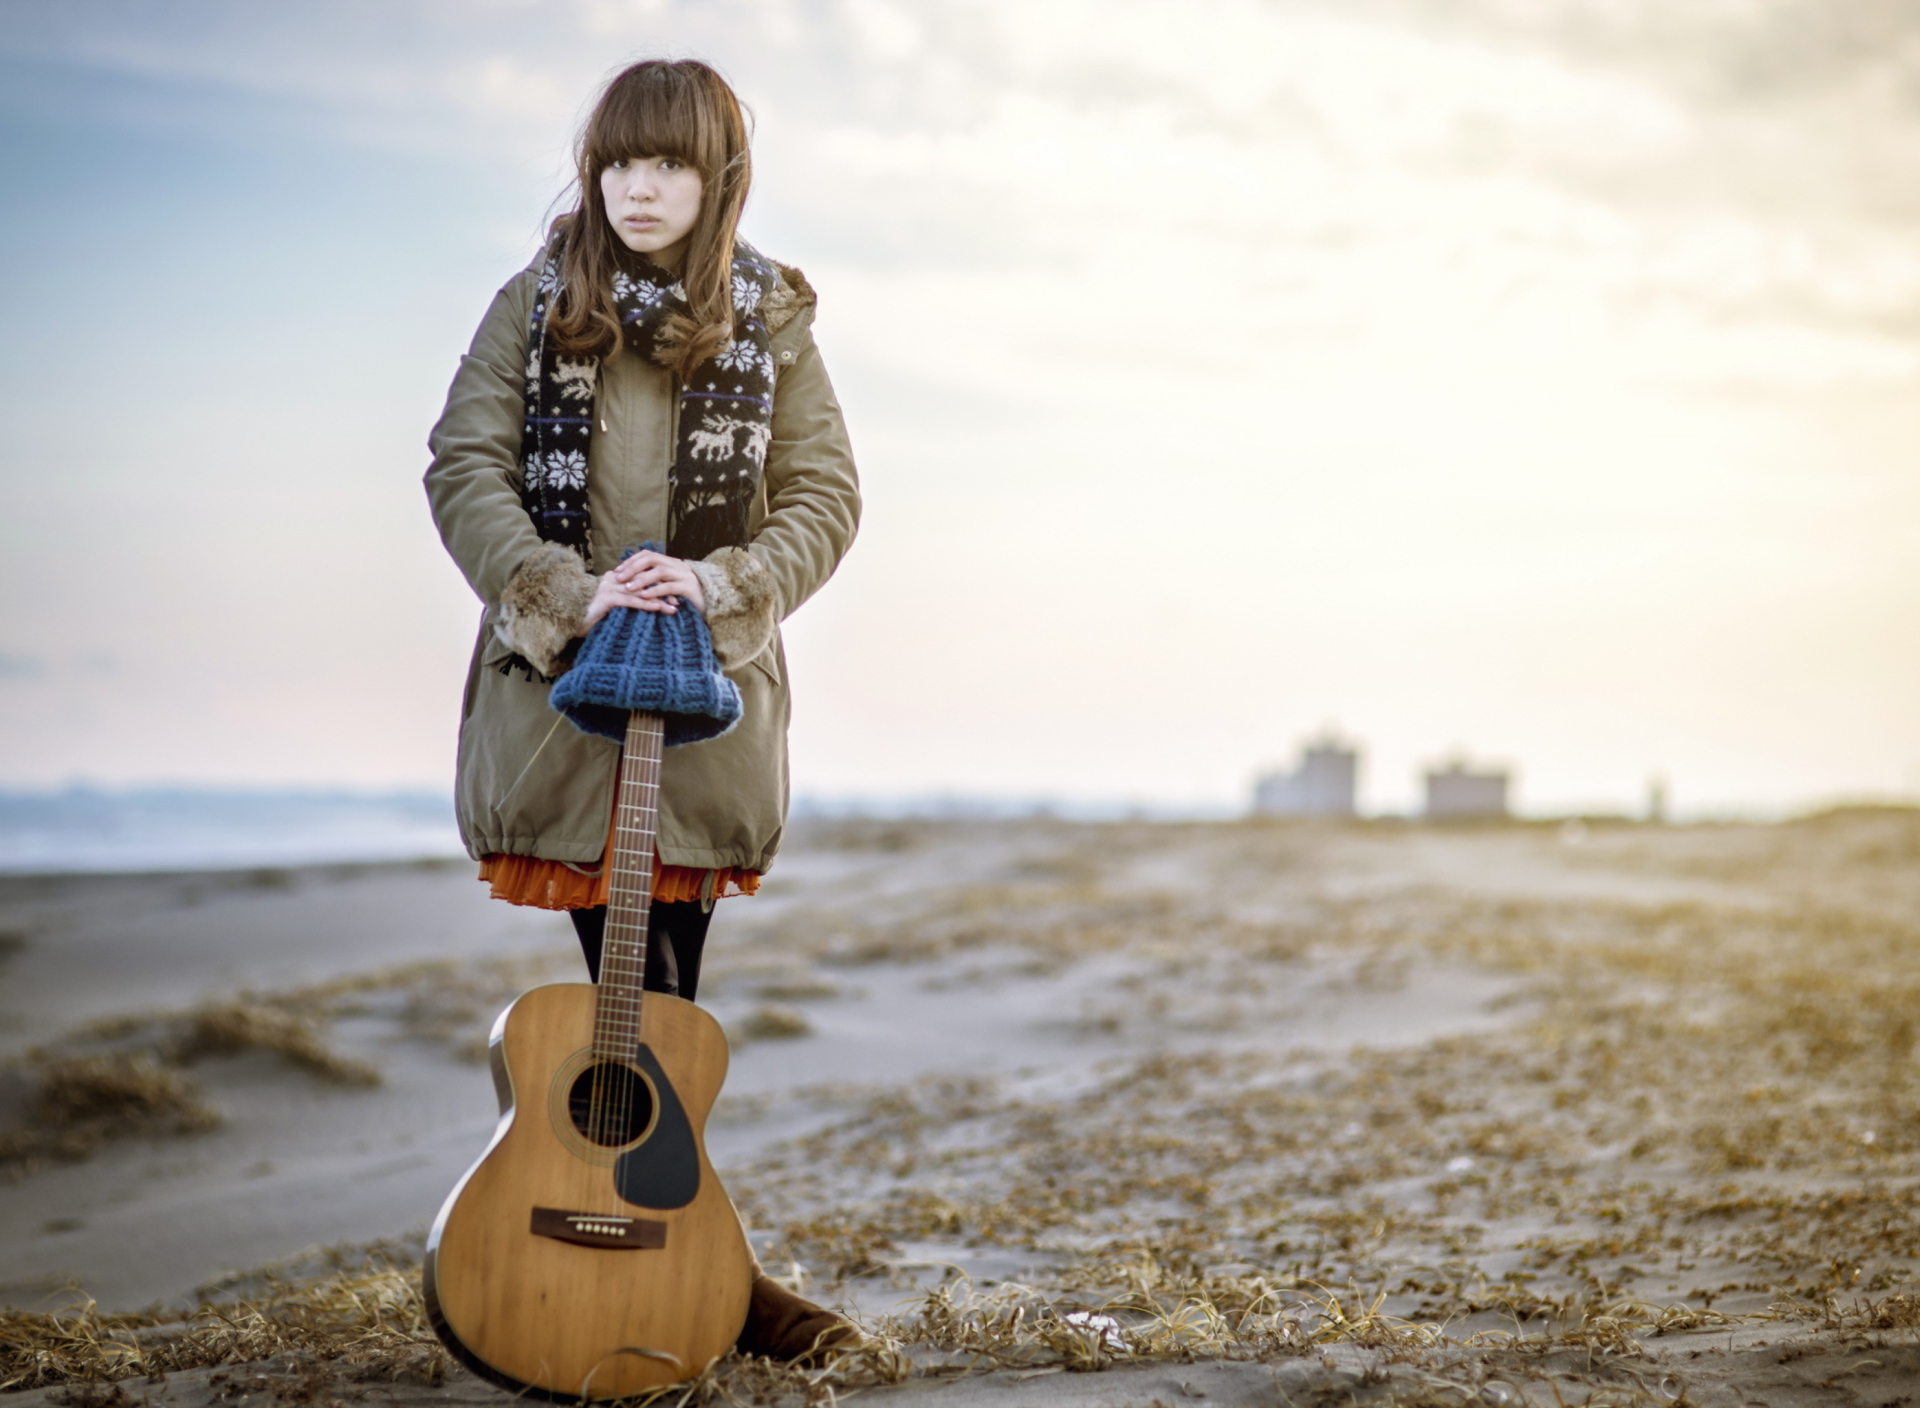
{"points": [[591, 1252]]}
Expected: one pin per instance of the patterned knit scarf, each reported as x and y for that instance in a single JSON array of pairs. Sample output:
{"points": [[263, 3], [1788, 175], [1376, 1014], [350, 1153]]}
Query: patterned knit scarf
{"points": [[726, 412]]}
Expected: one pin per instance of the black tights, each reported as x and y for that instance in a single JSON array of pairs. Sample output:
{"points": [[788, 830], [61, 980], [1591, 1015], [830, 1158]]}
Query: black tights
{"points": [[676, 935]]}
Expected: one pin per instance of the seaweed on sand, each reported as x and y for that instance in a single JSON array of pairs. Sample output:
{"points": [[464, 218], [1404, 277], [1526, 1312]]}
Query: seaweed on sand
{"points": [[1697, 1122], [370, 1325], [131, 1075], [81, 1102], [230, 1028], [772, 1021], [1700, 1113]]}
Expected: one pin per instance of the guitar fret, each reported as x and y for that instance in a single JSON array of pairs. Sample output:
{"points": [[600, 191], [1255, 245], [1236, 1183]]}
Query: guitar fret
{"points": [[624, 953]]}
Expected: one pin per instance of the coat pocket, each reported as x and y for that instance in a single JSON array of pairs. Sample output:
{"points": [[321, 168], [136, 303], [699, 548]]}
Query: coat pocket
{"points": [[768, 664]]}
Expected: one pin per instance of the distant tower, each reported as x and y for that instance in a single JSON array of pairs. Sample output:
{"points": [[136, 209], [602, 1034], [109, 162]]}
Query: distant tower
{"points": [[1657, 800], [1456, 790], [1322, 784]]}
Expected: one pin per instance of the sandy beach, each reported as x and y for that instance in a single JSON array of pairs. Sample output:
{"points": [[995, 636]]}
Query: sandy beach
{"points": [[1297, 1110]]}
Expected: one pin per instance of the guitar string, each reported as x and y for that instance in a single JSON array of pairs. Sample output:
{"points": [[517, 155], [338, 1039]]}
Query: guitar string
{"points": [[596, 1089], [646, 804], [597, 1118], [614, 956], [613, 1088], [632, 905], [622, 971], [649, 790], [610, 959]]}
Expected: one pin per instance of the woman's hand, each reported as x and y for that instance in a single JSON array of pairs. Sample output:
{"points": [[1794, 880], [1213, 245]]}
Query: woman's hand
{"points": [[661, 581], [647, 581]]}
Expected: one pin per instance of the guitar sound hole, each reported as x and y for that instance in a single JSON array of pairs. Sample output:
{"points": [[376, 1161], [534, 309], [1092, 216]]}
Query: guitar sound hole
{"points": [[610, 1104]]}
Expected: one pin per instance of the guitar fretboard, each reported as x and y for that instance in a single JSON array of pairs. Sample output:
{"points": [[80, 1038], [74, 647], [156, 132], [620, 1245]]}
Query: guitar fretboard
{"points": [[623, 952]]}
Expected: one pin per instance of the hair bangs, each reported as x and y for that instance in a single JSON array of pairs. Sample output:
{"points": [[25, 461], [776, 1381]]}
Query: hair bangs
{"points": [[657, 111]]}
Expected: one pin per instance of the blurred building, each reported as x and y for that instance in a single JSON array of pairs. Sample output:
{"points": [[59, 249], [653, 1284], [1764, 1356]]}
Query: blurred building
{"points": [[1457, 790], [1323, 783]]}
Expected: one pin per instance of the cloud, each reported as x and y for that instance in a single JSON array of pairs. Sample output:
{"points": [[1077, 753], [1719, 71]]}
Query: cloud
{"points": [[1410, 332], [1732, 163]]}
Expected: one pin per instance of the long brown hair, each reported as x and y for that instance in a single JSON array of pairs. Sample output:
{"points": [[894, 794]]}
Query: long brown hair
{"points": [[656, 107]]}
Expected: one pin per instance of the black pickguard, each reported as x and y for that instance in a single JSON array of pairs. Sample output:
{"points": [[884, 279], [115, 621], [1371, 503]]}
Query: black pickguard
{"points": [[663, 1173]]}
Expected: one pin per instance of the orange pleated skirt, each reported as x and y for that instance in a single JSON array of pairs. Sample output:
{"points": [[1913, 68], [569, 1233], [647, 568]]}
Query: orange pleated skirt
{"points": [[554, 884]]}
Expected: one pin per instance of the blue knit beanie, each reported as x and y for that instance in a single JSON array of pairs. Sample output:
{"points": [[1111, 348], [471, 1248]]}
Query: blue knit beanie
{"points": [[649, 661]]}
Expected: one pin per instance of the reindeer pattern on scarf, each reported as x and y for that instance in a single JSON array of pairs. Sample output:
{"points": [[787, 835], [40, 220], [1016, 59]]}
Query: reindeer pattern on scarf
{"points": [[726, 411]]}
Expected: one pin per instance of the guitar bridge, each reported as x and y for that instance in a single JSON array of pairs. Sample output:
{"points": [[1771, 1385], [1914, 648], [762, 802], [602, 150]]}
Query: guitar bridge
{"points": [[593, 1229]]}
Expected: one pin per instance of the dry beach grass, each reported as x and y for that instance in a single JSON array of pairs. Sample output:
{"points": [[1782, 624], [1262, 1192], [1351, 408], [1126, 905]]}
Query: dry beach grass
{"points": [[129, 1076], [1678, 1158]]}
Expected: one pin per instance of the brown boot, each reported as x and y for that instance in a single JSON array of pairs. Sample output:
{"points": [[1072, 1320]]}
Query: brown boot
{"points": [[782, 1325]]}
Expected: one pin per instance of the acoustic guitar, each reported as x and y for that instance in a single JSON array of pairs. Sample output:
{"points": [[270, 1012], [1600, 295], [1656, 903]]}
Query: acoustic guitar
{"points": [[591, 1252]]}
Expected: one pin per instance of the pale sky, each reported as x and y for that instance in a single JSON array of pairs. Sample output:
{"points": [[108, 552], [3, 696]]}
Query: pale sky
{"points": [[1534, 378]]}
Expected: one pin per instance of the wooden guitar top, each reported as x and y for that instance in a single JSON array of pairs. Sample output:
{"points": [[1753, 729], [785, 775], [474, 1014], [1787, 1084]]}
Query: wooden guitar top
{"points": [[543, 1274]]}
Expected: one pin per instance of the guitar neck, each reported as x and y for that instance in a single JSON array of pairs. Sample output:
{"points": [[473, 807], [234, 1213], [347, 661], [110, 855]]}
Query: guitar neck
{"points": [[623, 952]]}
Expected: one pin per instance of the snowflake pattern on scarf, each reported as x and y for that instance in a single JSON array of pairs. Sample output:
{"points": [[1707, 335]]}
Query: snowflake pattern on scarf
{"points": [[726, 412]]}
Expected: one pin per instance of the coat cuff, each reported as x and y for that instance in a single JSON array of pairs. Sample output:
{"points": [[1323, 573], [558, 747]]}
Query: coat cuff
{"points": [[740, 604], [545, 604]]}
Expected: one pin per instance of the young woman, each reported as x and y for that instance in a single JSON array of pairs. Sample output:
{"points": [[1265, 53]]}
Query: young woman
{"points": [[648, 377]]}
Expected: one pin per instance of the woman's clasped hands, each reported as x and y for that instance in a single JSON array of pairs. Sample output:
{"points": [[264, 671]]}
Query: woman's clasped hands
{"points": [[647, 581]]}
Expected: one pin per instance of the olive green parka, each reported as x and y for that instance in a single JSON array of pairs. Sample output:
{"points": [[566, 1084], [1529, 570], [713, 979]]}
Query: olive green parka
{"points": [[528, 782]]}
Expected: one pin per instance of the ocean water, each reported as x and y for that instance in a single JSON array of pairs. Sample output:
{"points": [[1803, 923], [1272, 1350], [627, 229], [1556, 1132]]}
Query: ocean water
{"points": [[89, 830]]}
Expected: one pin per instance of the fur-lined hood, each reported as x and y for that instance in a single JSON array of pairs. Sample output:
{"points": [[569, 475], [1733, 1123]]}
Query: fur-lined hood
{"points": [[791, 297]]}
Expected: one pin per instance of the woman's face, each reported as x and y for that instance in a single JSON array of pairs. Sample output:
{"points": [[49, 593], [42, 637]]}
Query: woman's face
{"points": [[652, 204]]}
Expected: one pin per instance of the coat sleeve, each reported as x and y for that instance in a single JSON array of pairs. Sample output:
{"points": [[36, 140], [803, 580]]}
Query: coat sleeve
{"points": [[473, 484], [813, 491]]}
